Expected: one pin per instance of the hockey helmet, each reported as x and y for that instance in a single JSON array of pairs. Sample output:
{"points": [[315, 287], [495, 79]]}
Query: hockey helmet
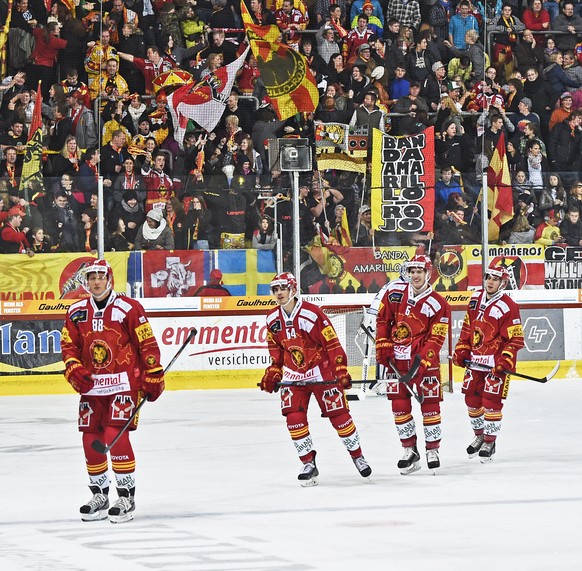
{"points": [[100, 267], [500, 272], [284, 280], [419, 261]]}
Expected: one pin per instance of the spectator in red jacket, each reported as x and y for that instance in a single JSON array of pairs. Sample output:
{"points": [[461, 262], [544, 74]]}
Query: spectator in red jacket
{"points": [[12, 238], [47, 44], [214, 286]]}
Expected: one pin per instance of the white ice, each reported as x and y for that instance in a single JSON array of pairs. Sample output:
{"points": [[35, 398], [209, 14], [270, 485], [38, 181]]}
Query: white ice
{"points": [[217, 490]]}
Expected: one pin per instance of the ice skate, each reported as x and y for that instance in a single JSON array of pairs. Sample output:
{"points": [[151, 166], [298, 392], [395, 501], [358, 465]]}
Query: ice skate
{"points": [[123, 508], [362, 466], [308, 476], [486, 452], [432, 459], [410, 462], [475, 446], [96, 508]]}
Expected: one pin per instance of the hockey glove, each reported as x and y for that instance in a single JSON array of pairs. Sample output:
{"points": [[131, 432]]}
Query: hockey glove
{"points": [[384, 351], [506, 362], [79, 377], [461, 355], [342, 374], [153, 386], [271, 379]]}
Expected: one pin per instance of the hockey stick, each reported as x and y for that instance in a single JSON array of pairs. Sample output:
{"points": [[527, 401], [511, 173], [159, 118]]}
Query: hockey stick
{"points": [[302, 384], [415, 365], [97, 445], [402, 378], [481, 367], [366, 354]]}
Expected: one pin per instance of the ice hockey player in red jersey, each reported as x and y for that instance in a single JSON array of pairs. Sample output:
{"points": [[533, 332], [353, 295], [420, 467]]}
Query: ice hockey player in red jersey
{"points": [[112, 360], [308, 360], [492, 335], [413, 319]]}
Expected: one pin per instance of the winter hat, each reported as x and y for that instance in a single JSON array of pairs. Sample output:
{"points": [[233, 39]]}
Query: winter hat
{"points": [[129, 195], [155, 215]]}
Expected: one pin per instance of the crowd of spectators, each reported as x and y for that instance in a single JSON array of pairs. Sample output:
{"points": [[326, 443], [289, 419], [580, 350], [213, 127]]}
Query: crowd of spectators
{"points": [[473, 70]]}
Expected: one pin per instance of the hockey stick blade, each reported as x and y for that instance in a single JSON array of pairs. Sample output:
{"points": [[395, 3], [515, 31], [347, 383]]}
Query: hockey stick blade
{"points": [[101, 448], [550, 375]]}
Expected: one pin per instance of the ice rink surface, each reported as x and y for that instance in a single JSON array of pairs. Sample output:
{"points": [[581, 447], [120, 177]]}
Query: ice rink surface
{"points": [[217, 490]]}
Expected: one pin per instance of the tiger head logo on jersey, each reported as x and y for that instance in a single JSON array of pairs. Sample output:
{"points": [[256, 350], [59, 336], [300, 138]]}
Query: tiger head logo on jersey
{"points": [[297, 356], [401, 332], [477, 338], [100, 354]]}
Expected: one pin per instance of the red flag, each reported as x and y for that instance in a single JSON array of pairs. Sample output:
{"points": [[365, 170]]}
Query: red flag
{"points": [[500, 197], [204, 102]]}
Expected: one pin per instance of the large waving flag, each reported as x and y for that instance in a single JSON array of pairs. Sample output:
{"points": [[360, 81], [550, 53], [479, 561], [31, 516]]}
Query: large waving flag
{"points": [[204, 102], [500, 198], [289, 82], [31, 184]]}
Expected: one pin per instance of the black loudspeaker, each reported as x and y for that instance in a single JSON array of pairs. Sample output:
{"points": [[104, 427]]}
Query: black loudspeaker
{"points": [[294, 155]]}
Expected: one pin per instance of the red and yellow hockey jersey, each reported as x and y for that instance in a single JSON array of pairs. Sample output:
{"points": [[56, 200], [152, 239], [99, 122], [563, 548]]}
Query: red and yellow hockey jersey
{"points": [[304, 344], [491, 327], [415, 324], [116, 343]]}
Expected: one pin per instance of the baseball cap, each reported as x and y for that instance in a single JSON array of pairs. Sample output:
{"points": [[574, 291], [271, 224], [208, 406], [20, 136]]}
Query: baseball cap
{"points": [[437, 65], [527, 101], [565, 95], [364, 47], [216, 275], [415, 84]]}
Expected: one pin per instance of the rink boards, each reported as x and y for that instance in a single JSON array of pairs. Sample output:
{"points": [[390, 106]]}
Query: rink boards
{"points": [[230, 349]]}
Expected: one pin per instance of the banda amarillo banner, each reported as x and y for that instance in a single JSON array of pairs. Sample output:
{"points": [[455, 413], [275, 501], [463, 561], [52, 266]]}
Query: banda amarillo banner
{"points": [[403, 182], [456, 268]]}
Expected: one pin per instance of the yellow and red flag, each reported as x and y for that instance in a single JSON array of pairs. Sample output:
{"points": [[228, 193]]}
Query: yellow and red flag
{"points": [[500, 197], [31, 181], [289, 82]]}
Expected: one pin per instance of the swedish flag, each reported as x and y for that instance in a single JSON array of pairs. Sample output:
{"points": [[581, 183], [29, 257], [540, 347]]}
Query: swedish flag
{"points": [[246, 272]]}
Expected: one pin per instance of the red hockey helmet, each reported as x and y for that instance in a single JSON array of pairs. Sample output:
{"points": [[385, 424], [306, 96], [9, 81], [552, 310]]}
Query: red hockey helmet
{"points": [[500, 272], [100, 267], [285, 280], [419, 261]]}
